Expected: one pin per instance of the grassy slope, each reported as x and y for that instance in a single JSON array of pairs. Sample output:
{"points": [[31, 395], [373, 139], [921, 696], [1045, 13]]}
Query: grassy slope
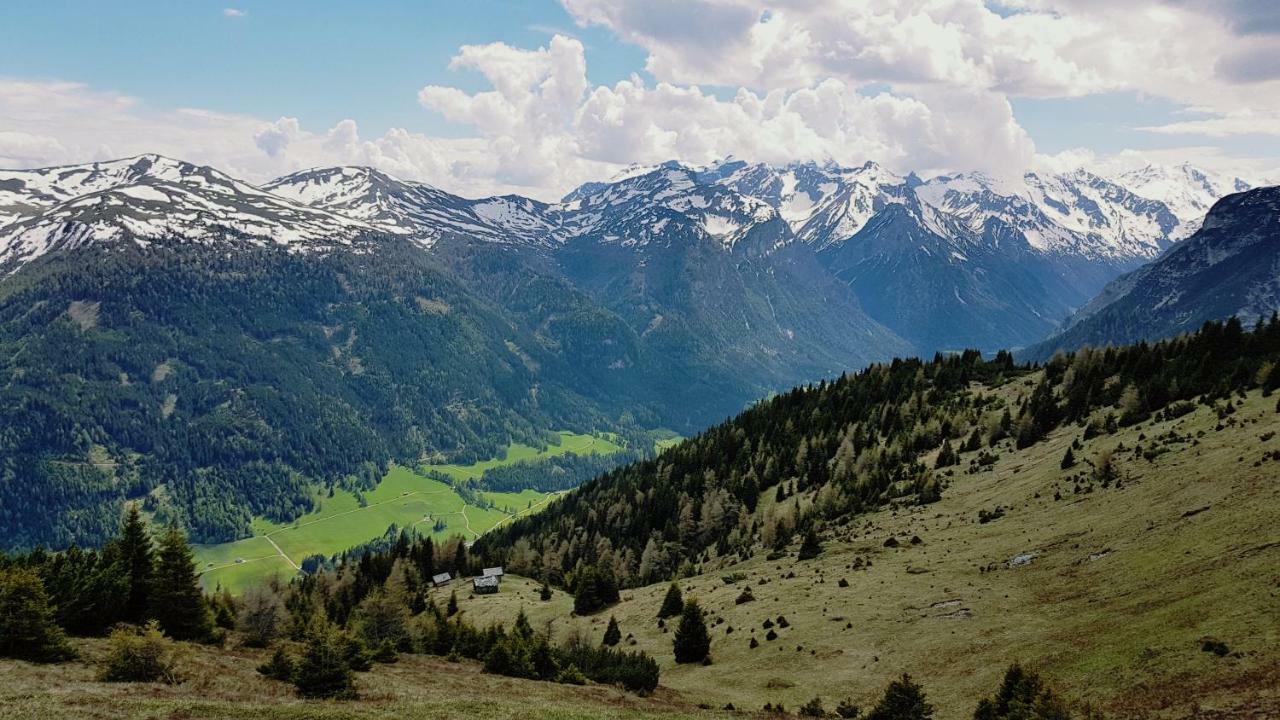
{"points": [[224, 684], [404, 498], [1122, 629]]}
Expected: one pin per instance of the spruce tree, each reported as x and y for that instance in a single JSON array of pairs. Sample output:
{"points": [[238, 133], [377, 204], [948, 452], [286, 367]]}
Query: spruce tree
{"points": [[323, 671], [903, 700], [810, 548], [27, 629], [452, 608], [1068, 460], [137, 553], [545, 594], [672, 604], [692, 642], [176, 600], [612, 634]]}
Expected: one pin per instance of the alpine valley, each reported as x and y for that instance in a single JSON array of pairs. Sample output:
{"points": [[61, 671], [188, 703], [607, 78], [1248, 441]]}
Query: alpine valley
{"points": [[224, 350]]}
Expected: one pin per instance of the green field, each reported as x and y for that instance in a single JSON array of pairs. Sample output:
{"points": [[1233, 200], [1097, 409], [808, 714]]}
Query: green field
{"points": [[404, 497]]}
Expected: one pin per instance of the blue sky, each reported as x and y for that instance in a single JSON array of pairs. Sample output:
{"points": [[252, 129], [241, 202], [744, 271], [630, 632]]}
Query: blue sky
{"points": [[319, 60], [952, 85]]}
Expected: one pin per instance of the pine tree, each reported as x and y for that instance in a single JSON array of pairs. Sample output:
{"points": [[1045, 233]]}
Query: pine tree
{"points": [[673, 603], [810, 548], [1022, 696], [27, 628], [176, 600], [612, 634], [692, 642], [323, 670], [946, 456], [903, 700], [1068, 460], [137, 554], [452, 608], [545, 594]]}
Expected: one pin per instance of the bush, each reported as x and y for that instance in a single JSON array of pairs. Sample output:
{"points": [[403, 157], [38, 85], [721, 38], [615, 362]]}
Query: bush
{"points": [[261, 616], [279, 667], [27, 628], [141, 655], [846, 709], [813, 708], [571, 676]]}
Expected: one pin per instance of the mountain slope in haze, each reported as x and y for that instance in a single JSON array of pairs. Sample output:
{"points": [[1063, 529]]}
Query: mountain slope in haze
{"points": [[1230, 267]]}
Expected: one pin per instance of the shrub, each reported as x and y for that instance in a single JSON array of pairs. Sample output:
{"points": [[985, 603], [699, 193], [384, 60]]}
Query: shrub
{"points": [[745, 596], [846, 709], [813, 708], [571, 676], [260, 616], [279, 667], [141, 655]]}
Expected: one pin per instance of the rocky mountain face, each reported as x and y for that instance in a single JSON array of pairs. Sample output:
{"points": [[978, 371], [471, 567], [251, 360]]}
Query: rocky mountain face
{"points": [[1229, 267]]}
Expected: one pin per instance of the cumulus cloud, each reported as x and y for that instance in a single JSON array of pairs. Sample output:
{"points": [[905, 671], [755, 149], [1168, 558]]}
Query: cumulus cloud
{"points": [[234, 13], [918, 85], [1214, 54]]}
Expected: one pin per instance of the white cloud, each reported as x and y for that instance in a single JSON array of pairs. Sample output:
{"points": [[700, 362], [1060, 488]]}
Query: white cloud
{"points": [[1215, 54], [919, 85], [234, 13]]}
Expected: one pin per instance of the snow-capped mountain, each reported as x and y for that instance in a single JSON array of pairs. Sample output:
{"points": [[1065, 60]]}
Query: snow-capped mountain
{"points": [[1229, 268], [1078, 213], [1188, 191], [417, 209], [823, 204], [666, 204], [152, 198]]}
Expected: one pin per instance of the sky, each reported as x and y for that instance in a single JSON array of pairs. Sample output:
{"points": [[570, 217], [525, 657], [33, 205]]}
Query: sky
{"points": [[537, 96]]}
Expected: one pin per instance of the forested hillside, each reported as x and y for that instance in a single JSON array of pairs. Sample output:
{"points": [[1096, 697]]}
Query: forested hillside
{"points": [[889, 434], [221, 387]]}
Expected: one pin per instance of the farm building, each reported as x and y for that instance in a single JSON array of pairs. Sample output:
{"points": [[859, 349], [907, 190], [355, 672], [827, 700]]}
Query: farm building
{"points": [[493, 572], [441, 579], [485, 585]]}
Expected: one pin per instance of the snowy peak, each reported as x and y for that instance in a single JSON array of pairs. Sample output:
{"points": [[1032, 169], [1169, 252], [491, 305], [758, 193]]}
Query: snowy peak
{"points": [[151, 198], [1077, 214], [416, 209], [668, 204], [1188, 191]]}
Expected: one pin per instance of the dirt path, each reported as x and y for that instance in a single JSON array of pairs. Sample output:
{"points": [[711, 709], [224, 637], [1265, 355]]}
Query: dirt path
{"points": [[295, 565]]}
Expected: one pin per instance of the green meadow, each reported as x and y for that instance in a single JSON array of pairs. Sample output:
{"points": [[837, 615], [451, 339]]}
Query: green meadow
{"points": [[405, 497]]}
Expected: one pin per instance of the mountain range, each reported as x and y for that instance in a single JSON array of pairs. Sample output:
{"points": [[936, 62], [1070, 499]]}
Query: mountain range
{"points": [[221, 348]]}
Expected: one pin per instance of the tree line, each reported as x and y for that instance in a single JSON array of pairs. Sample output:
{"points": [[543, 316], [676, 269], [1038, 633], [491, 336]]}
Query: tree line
{"points": [[859, 442]]}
